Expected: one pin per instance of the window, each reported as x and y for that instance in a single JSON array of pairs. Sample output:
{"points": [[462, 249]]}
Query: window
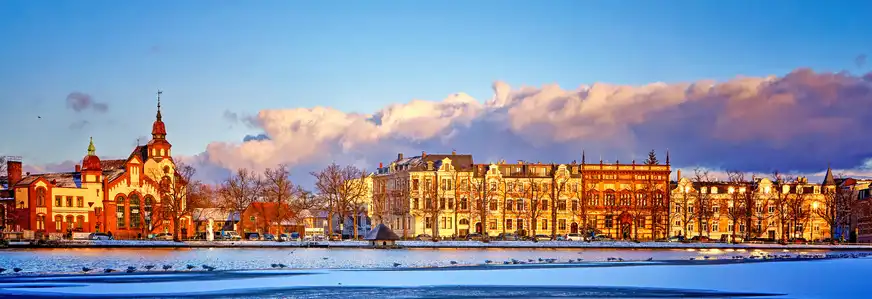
{"points": [[464, 222], [444, 222], [561, 224], [59, 201], [544, 205], [415, 204], [428, 223], [450, 222], [493, 205], [715, 226], [561, 205], [69, 201], [640, 222], [714, 190], [544, 223], [40, 197], [80, 202], [520, 203], [520, 223], [742, 227], [464, 203], [608, 221], [70, 221], [771, 209], [415, 184], [80, 222], [510, 186], [508, 223], [493, 186], [40, 222], [134, 211], [509, 203], [251, 218], [451, 203], [690, 209], [704, 190], [690, 227], [492, 224], [442, 203], [759, 227], [119, 211], [59, 223], [730, 227], [575, 205], [716, 209]]}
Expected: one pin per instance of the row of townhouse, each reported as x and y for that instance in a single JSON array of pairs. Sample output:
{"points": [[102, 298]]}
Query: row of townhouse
{"points": [[448, 195], [451, 196]]}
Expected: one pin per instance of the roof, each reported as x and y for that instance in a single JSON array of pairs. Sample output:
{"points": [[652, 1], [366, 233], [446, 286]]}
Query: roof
{"points": [[204, 214], [269, 210], [141, 152], [381, 232], [828, 178], [462, 162]]}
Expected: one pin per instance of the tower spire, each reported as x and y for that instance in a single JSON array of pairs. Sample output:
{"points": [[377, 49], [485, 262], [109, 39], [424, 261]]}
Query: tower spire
{"points": [[159, 92], [582, 156], [92, 151]]}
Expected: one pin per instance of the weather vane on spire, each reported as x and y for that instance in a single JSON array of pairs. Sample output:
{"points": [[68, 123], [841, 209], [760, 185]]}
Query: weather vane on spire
{"points": [[159, 92]]}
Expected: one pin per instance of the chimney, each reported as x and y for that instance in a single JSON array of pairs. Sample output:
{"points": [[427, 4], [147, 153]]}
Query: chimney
{"points": [[423, 154], [453, 153], [13, 172], [380, 165], [78, 168], [399, 156], [678, 176]]}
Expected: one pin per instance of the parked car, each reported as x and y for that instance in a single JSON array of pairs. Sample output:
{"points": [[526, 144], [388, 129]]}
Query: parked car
{"points": [[269, 237], [424, 237], [602, 238], [542, 238], [162, 236], [575, 237], [700, 239], [229, 235], [507, 237], [475, 237], [252, 236], [675, 239], [99, 236]]}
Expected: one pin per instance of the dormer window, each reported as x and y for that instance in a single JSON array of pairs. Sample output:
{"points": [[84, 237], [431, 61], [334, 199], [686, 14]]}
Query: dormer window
{"points": [[704, 189], [714, 190]]}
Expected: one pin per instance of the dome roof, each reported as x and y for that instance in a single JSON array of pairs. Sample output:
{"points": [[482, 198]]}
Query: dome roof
{"points": [[158, 128], [91, 163]]}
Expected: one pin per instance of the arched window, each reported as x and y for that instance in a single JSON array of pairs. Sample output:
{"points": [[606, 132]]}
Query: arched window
{"points": [[71, 222], [40, 222], [119, 211], [149, 202], [464, 204], [59, 222], [134, 210], [464, 222], [80, 222], [40, 196]]}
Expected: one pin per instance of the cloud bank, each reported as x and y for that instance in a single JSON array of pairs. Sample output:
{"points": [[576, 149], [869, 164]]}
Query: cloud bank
{"points": [[801, 122]]}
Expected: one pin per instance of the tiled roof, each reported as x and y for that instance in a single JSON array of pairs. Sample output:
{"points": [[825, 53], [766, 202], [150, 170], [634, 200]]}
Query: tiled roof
{"points": [[113, 164], [140, 151], [61, 179]]}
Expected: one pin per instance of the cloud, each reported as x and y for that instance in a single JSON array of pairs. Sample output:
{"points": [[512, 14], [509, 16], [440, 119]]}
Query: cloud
{"points": [[797, 122], [231, 116], [258, 137], [79, 102], [65, 166], [79, 125]]}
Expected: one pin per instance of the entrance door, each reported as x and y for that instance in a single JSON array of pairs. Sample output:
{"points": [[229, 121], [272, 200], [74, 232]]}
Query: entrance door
{"points": [[573, 228], [772, 235], [478, 227]]}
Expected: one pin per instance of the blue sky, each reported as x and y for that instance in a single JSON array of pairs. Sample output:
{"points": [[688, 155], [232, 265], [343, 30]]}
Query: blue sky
{"points": [[358, 56]]}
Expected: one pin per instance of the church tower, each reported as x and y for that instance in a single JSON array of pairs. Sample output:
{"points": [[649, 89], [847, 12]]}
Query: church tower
{"points": [[159, 148], [92, 169]]}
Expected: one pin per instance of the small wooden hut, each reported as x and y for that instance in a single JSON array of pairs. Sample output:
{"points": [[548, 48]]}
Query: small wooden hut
{"points": [[382, 237]]}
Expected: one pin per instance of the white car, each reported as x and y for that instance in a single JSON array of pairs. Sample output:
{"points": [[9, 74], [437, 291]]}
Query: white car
{"points": [[575, 237], [99, 236]]}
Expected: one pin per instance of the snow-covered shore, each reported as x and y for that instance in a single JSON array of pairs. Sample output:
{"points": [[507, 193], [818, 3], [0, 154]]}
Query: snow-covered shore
{"points": [[836, 278], [451, 244]]}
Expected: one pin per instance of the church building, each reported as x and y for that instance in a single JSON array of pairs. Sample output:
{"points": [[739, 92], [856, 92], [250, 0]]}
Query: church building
{"points": [[118, 196]]}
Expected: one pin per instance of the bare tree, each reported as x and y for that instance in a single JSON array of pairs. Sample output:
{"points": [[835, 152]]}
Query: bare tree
{"points": [[303, 200], [380, 207], [736, 202], [683, 206], [342, 187], [433, 204], [703, 203], [781, 201], [798, 210], [835, 207], [278, 189], [557, 189], [484, 190], [240, 190], [536, 193], [588, 199], [178, 192], [638, 208]]}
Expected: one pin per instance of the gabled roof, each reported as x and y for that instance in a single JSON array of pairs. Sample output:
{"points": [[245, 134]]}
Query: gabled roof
{"points": [[828, 179], [270, 210], [419, 163], [381, 232]]}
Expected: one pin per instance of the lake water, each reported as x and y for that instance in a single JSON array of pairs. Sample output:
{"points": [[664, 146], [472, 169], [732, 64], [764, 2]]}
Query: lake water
{"points": [[72, 260]]}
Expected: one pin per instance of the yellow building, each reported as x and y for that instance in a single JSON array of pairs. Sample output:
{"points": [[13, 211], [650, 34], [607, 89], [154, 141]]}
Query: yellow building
{"points": [[449, 195], [750, 209], [117, 196]]}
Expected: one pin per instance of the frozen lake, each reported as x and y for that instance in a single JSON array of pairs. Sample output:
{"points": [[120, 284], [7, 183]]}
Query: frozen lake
{"points": [[72, 260]]}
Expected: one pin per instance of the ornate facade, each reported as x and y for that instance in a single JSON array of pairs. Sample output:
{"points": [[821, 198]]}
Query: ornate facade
{"points": [[449, 195], [118, 196], [758, 208]]}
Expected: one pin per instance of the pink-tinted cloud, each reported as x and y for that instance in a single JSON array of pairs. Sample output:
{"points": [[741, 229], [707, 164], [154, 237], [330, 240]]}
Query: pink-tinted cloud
{"points": [[797, 122], [79, 102]]}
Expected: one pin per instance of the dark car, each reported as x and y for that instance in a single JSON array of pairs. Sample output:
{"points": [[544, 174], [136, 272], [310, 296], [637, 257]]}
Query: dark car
{"points": [[424, 237], [269, 237], [700, 239], [252, 236], [507, 237], [475, 237]]}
